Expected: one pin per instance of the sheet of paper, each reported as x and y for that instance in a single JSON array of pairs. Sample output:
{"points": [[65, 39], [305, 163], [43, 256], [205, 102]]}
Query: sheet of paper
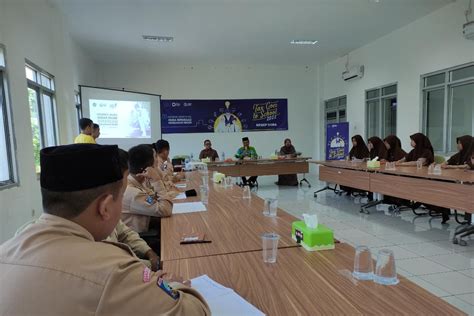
{"points": [[181, 185], [222, 300], [181, 196], [191, 207]]}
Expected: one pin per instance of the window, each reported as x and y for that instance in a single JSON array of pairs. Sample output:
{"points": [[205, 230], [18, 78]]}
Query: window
{"points": [[381, 111], [448, 106], [335, 110], [7, 161], [44, 123]]}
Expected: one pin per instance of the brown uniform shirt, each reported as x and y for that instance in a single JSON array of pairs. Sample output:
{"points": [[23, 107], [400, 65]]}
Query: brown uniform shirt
{"points": [[56, 268], [141, 201], [209, 153], [125, 235]]}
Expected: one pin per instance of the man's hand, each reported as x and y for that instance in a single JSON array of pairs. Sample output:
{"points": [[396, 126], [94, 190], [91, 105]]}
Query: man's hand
{"points": [[153, 174], [170, 277], [154, 259]]}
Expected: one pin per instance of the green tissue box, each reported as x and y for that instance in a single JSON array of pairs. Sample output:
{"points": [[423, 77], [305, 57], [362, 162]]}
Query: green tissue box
{"points": [[373, 164], [321, 238]]}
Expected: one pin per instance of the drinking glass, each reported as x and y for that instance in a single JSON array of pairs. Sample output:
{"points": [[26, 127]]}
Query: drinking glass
{"points": [[385, 270], [363, 264]]}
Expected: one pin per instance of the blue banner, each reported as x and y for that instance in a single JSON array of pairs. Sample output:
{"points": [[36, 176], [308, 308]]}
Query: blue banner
{"points": [[337, 141], [223, 116]]}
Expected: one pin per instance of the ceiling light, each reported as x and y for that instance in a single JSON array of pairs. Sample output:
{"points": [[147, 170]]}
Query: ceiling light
{"points": [[303, 42], [154, 38]]}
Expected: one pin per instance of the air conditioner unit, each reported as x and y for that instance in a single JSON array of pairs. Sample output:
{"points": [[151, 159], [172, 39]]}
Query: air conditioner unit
{"points": [[468, 30], [353, 73]]}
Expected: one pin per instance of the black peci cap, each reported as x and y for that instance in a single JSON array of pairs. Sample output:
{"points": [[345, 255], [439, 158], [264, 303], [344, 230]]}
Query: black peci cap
{"points": [[245, 139], [79, 167]]}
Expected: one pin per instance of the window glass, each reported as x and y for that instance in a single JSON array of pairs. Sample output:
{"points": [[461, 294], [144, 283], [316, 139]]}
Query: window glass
{"points": [[434, 104], [466, 72], [462, 113], [35, 126], [435, 79]]}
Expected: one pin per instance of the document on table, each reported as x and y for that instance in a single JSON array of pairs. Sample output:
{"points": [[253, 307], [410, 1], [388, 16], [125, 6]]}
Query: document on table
{"points": [[191, 207], [181, 196], [222, 300], [181, 185]]}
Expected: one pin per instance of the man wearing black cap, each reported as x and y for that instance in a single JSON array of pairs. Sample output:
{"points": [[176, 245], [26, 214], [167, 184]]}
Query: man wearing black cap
{"points": [[60, 266], [247, 152]]}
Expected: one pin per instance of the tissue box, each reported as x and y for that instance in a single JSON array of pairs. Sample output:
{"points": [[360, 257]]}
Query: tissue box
{"points": [[206, 160], [218, 177], [321, 238], [373, 164]]}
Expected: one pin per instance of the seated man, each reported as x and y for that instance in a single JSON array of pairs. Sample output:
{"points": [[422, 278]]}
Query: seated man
{"points": [[208, 151], [86, 125], [60, 264], [95, 131], [125, 235], [247, 152], [163, 162], [145, 196]]}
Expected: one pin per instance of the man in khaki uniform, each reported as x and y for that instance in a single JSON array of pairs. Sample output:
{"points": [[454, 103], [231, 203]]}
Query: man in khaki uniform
{"points": [[145, 195], [163, 162], [125, 235], [59, 266]]}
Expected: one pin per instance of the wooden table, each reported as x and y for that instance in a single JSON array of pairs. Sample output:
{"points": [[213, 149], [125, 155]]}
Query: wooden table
{"points": [[261, 167], [232, 223], [452, 189], [310, 283]]}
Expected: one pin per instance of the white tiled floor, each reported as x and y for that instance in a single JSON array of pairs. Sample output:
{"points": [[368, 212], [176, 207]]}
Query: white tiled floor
{"points": [[423, 249]]}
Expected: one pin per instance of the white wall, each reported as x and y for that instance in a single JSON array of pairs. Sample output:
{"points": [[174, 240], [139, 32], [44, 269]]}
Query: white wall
{"points": [[296, 83], [35, 30], [431, 43]]}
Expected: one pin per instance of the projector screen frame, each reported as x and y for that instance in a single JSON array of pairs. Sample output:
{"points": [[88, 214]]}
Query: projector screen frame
{"points": [[114, 89]]}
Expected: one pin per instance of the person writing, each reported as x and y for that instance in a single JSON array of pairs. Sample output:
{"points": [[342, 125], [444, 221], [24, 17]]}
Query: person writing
{"points": [[394, 148], [208, 151], [288, 151], [61, 266], [146, 195], [461, 158], [85, 137], [247, 152]]}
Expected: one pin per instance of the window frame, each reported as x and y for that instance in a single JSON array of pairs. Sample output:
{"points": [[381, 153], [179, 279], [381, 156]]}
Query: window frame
{"points": [[380, 98], [446, 87], [42, 90], [8, 123]]}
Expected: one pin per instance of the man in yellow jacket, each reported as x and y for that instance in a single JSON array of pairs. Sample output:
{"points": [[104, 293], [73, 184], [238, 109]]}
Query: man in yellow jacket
{"points": [[85, 137], [61, 266]]}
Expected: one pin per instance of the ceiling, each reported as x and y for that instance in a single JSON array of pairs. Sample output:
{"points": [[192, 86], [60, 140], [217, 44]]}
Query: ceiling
{"points": [[234, 31]]}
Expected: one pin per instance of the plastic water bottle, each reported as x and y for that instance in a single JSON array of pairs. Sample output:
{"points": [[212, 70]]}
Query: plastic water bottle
{"points": [[191, 156], [223, 156]]}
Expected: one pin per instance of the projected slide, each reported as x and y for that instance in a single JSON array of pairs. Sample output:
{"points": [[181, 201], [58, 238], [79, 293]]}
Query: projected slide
{"points": [[121, 119]]}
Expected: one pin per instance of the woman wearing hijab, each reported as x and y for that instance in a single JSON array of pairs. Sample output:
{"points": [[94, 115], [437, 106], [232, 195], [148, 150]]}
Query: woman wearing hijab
{"points": [[394, 148], [376, 148], [359, 149], [463, 156], [288, 150], [422, 150]]}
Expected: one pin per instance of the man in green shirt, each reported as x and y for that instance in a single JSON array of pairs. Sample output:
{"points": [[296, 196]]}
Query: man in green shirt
{"points": [[247, 152]]}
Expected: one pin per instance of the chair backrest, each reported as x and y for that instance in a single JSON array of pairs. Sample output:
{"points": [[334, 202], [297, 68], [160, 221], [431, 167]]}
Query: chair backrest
{"points": [[439, 159]]}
